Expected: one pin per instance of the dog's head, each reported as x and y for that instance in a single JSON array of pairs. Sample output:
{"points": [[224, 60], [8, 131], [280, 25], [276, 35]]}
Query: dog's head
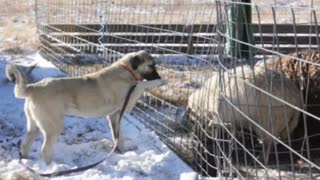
{"points": [[144, 65]]}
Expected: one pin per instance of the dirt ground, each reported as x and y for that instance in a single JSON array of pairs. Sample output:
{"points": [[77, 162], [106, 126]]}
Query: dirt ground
{"points": [[18, 34]]}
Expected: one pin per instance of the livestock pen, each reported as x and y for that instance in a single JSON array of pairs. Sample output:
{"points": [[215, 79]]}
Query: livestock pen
{"points": [[214, 128]]}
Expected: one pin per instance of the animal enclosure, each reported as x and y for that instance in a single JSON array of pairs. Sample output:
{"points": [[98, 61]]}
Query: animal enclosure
{"points": [[242, 94]]}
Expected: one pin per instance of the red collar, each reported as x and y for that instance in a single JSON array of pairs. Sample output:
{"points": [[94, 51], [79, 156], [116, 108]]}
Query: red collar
{"points": [[129, 69]]}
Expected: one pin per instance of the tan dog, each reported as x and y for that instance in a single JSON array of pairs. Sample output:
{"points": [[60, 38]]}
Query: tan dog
{"points": [[98, 94]]}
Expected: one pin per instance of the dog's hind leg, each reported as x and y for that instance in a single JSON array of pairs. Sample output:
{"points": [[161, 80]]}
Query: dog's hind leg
{"points": [[116, 130], [47, 147], [50, 125], [32, 133]]}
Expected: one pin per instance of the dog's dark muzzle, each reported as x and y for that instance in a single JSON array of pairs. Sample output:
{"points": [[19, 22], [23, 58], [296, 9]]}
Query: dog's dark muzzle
{"points": [[152, 76]]}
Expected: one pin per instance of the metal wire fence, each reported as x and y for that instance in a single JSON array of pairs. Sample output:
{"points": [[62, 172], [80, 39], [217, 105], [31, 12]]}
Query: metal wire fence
{"points": [[250, 112]]}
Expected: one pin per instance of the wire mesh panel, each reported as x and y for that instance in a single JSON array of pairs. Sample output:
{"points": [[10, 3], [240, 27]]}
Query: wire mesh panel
{"points": [[242, 91], [83, 29], [262, 110]]}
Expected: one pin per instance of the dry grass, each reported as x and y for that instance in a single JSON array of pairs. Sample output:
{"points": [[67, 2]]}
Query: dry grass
{"points": [[18, 28], [164, 12], [18, 32], [129, 11], [178, 86], [78, 70]]}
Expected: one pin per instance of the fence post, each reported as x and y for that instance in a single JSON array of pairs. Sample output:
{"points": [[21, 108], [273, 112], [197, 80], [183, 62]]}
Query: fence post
{"points": [[189, 29], [239, 28]]}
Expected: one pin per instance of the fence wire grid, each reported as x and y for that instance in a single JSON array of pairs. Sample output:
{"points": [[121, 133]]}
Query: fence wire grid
{"points": [[242, 93]]}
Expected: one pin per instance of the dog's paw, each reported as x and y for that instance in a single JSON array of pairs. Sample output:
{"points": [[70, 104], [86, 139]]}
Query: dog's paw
{"points": [[44, 163], [122, 151], [120, 148], [119, 151]]}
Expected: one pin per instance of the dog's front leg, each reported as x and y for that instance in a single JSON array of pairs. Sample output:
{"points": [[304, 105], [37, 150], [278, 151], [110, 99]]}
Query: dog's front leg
{"points": [[116, 130]]}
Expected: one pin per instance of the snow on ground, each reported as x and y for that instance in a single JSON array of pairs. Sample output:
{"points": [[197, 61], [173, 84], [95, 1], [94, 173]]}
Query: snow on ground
{"points": [[84, 141]]}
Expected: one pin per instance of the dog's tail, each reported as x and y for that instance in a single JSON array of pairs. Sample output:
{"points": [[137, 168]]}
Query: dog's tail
{"points": [[15, 74]]}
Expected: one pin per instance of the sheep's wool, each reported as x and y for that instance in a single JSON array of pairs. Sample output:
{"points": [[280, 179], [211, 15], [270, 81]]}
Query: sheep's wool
{"points": [[220, 98]]}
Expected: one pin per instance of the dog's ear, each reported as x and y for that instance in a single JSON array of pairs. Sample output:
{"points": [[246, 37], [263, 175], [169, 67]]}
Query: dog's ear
{"points": [[135, 61]]}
